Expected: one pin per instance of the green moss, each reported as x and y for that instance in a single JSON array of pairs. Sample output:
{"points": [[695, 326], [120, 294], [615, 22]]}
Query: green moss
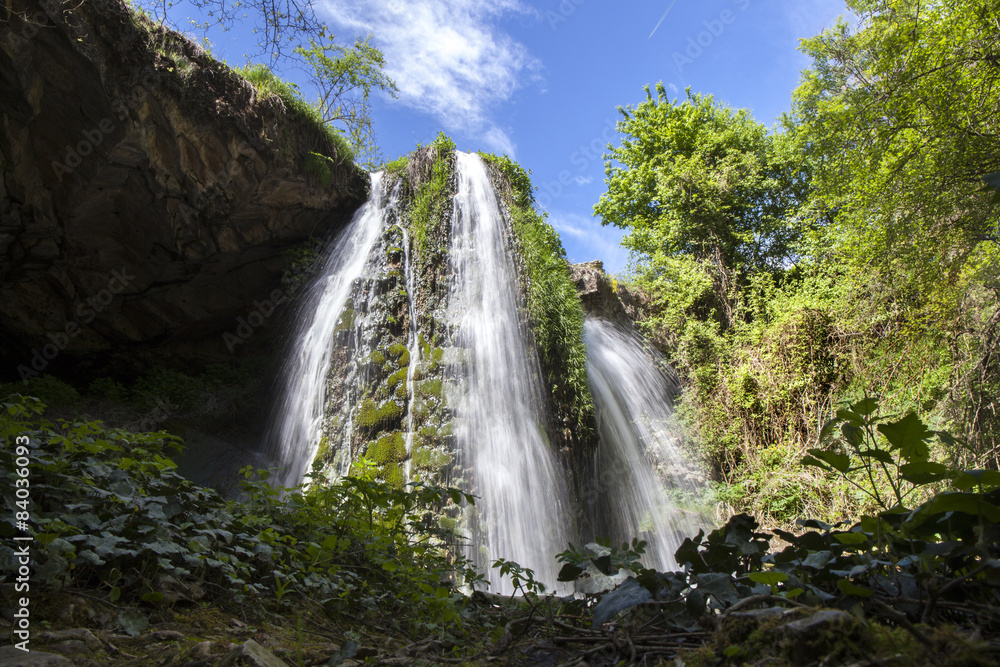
{"points": [[346, 320], [371, 414], [430, 388], [400, 353], [389, 448], [428, 458], [397, 380], [432, 201]]}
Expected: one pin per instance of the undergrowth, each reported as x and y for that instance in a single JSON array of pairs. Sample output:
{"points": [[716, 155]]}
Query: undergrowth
{"points": [[109, 513]]}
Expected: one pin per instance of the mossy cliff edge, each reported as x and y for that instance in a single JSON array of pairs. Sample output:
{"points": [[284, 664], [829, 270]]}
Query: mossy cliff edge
{"points": [[148, 194]]}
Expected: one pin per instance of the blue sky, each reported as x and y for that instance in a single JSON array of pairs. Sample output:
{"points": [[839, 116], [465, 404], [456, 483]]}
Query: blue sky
{"points": [[541, 81]]}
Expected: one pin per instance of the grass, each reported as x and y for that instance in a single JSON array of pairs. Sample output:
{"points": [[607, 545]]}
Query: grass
{"points": [[268, 84]]}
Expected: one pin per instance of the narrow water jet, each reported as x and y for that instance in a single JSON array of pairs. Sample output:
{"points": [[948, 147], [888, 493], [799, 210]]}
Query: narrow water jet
{"points": [[499, 403], [638, 453], [293, 434]]}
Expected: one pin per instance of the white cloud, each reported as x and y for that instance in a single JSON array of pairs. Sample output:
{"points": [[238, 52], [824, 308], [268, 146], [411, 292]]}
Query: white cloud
{"points": [[449, 58], [583, 180], [498, 142], [807, 19], [586, 239]]}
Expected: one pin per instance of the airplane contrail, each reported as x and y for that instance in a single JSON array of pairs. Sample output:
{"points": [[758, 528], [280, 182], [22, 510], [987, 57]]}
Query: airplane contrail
{"points": [[661, 18]]}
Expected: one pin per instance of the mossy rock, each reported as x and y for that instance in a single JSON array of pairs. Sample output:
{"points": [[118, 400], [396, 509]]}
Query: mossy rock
{"points": [[431, 459], [433, 388], [400, 353], [372, 414], [346, 320], [389, 448]]}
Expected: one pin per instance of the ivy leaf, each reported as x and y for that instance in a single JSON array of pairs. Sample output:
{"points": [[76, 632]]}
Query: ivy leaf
{"points": [[768, 578], [849, 588]]}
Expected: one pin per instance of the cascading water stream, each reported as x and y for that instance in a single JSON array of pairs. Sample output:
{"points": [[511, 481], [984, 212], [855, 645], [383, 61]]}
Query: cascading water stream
{"points": [[294, 432], [637, 434], [414, 352], [520, 514]]}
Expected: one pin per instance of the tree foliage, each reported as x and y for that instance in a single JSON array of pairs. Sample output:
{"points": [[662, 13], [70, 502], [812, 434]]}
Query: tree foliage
{"points": [[344, 77], [899, 120], [851, 253], [701, 180]]}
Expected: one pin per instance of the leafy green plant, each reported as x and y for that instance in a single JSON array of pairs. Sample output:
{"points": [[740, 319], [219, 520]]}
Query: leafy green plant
{"points": [[142, 533], [856, 449]]}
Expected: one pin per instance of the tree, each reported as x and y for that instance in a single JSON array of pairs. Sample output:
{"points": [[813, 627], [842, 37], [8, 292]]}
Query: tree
{"points": [[344, 76], [900, 121], [698, 184], [703, 180]]}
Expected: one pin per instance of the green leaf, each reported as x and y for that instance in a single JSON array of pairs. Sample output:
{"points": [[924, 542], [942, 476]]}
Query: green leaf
{"points": [[390, 566], [970, 478], [828, 429], [866, 406], [966, 503], [115, 594], [851, 418], [849, 588], [853, 435], [879, 455], [769, 578], [851, 538], [839, 462], [925, 472], [152, 596], [908, 435]]}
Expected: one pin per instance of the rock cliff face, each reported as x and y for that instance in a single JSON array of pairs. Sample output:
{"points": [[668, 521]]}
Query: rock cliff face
{"points": [[148, 195], [604, 297]]}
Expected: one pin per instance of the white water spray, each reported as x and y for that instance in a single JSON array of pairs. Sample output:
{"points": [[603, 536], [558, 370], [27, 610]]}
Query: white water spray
{"points": [[294, 433], [499, 404], [638, 433]]}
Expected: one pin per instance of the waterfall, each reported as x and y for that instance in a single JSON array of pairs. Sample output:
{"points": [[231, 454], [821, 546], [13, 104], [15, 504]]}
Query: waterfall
{"points": [[499, 403], [294, 431], [638, 439], [473, 402]]}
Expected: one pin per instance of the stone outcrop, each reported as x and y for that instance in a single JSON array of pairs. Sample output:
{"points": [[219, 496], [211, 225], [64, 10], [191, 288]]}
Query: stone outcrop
{"points": [[148, 194], [605, 297]]}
